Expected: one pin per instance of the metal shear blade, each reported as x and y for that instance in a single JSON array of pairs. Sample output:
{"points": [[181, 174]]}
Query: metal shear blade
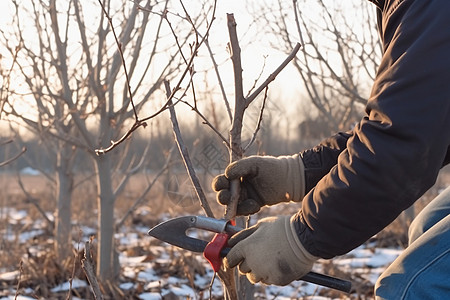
{"points": [[174, 231]]}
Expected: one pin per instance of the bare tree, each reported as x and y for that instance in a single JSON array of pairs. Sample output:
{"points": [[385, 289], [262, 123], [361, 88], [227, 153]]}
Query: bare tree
{"points": [[239, 287], [5, 76], [72, 72], [336, 80], [85, 72], [340, 55]]}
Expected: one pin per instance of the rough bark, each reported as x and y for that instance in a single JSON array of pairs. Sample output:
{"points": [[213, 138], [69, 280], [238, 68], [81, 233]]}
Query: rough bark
{"points": [[63, 220], [106, 267]]}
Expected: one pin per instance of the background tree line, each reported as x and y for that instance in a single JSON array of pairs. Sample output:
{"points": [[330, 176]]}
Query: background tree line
{"points": [[272, 140], [75, 67]]}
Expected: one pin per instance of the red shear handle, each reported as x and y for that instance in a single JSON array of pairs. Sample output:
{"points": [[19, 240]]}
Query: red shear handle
{"points": [[214, 248]]}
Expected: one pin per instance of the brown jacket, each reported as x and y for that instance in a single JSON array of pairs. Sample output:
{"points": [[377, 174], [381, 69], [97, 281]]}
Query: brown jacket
{"points": [[360, 181]]}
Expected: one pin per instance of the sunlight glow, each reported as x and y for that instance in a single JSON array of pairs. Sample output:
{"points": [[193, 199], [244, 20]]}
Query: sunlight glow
{"points": [[261, 52]]}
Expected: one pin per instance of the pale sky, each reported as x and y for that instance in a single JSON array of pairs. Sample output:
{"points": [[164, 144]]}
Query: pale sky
{"points": [[254, 50]]}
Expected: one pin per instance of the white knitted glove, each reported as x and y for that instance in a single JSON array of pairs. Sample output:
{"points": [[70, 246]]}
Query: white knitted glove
{"points": [[265, 180], [270, 252]]}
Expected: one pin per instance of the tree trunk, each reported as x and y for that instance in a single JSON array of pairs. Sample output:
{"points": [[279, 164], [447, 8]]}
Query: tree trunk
{"points": [[242, 289], [63, 221], [107, 267]]}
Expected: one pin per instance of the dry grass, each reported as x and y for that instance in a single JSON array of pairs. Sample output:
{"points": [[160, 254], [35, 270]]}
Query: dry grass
{"points": [[41, 271]]}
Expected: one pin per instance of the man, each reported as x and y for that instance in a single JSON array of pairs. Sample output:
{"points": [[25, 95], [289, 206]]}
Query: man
{"points": [[354, 184]]}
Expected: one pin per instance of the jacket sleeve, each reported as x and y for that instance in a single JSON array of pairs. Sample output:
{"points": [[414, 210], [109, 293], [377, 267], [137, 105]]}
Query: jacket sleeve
{"points": [[319, 160], [396, 151]]}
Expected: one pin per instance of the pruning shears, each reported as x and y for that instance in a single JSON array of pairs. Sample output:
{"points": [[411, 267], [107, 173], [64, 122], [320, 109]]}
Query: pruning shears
{"points": [[174, 231]]}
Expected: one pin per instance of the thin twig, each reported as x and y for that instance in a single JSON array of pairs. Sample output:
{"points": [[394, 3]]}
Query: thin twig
{"points": [[258, 125], [131, 170], [7, 83], [142, 122], [145, 192], [127, 134], [186, 158], [87, 264], [164, 16], [20, 279], [137, 123], [273, 75], [119, 48], [211, 285], [257, 78], [219, 80], [34, 201], [4, 163], [6, 142], [207, 123], [69, 293]]}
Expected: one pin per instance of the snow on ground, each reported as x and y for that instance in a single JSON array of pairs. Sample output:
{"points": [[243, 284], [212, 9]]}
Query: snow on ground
{"points": [[159, 269], [76, 283], [8, 276], [20, 297]]}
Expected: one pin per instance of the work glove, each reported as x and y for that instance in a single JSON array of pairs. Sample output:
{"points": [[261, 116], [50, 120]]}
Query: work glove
{"points": [[265, 180], [270, 252]]}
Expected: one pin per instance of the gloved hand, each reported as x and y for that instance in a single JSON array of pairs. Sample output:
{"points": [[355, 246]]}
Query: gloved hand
{"points": [[270, 252], [265, 180]]}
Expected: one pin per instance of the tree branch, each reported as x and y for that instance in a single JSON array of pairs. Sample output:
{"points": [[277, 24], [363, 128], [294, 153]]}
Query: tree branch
{"points": [[87, 264], [141, 122], [273, 75], [208, 123], [10, 160], [241, 103], [219, 80], [119, 48], [145, 192], [186, 158], [258, 124]]}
